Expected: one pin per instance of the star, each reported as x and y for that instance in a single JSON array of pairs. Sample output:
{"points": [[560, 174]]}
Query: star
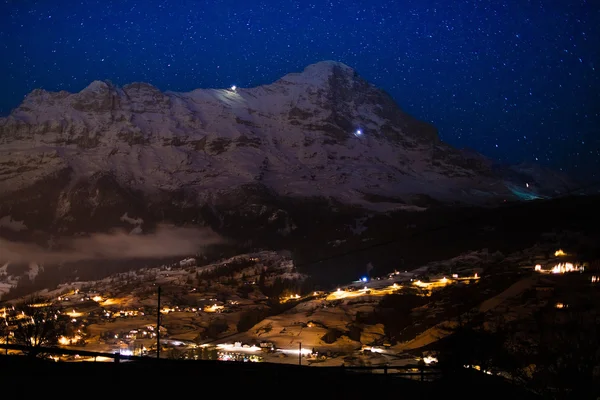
{"points": [[486, 75]]}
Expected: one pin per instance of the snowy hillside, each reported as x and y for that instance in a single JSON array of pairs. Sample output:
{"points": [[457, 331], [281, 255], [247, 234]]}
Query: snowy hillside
{"points": [[324, 132]]}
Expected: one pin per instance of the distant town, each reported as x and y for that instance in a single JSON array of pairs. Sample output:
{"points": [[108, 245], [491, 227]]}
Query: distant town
{"points": [[231, 319]]}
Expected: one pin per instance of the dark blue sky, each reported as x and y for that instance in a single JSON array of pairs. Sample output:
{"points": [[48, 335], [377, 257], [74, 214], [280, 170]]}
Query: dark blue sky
{"points": [[516, 80]]}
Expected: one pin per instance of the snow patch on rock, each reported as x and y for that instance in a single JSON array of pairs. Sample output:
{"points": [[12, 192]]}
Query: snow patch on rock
{"points": [[11, 224]]}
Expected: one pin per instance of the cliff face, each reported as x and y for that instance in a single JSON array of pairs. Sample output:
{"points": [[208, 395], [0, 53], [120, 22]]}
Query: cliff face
{"points": [[90, 157]]}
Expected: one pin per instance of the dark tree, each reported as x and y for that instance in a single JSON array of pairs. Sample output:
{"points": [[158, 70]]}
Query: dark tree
{"points": [[216, 327], [469, 343], [3, 328], [554, 354], [244, 290], [35, 325], [250, 318], [332, 335], [566, 354]]}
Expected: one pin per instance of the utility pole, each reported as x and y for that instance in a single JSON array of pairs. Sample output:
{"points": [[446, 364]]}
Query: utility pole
{"points": [[299, 353], [158, 328], [7, 335]]}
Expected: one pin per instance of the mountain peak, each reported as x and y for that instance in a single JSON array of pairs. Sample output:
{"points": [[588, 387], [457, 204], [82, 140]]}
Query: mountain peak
{"points": [[324, 131], [320, 73], [95, 86], [327, 66]]}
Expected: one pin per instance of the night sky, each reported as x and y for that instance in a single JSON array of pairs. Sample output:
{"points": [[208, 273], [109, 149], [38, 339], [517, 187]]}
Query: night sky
{"points": [[516, 80]]}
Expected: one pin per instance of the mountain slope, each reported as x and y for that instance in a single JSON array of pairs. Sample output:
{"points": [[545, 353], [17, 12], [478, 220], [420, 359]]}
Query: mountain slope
{"points": [[321, 133]]}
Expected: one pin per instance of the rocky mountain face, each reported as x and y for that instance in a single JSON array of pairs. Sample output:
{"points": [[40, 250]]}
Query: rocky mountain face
{"points": [[325, 137]]}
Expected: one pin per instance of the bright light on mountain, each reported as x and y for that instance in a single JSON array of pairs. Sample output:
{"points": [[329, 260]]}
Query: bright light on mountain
{"points": [[234, 88]]}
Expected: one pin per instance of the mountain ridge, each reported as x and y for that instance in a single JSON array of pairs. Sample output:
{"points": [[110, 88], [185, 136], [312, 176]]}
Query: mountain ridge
{"points": [[321, 133]]}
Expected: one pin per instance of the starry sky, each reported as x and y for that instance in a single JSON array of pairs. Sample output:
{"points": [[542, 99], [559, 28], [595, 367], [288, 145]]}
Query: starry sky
{"points": [[516, 80]]}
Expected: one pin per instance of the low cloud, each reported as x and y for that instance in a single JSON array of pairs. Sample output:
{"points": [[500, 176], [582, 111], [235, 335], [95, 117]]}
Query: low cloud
{"points": [[166, 241]]}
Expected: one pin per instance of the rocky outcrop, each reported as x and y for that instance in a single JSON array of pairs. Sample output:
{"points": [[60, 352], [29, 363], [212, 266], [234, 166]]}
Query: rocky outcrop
{"points": [[323, 133]]}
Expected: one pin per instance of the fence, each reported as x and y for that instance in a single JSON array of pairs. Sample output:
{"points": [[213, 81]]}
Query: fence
{"points": [[415, 372], [82, 353]]}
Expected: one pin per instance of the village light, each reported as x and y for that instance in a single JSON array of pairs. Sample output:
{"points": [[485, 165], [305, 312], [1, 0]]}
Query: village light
{"points": [[428, 360]]}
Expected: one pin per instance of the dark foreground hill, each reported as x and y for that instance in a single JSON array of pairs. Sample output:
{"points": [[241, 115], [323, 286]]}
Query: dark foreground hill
{"points": [[25, 378]]}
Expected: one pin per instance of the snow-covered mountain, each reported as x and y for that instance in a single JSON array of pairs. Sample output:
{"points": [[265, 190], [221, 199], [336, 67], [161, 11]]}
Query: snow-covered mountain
{"points": [[324, 132]]}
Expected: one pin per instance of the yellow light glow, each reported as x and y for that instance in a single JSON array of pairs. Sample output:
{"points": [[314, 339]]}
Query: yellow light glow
{"points": [[290, 298], [559, 253], [110, 302], [238, 348], [213, 308], [433, 285], [372, 349], [365, 291], [74, 314], [40, 305], [564, 268], [97, 299], [305, 352], [133, 313], [428, 360], [560, 268], [65, 341]]}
